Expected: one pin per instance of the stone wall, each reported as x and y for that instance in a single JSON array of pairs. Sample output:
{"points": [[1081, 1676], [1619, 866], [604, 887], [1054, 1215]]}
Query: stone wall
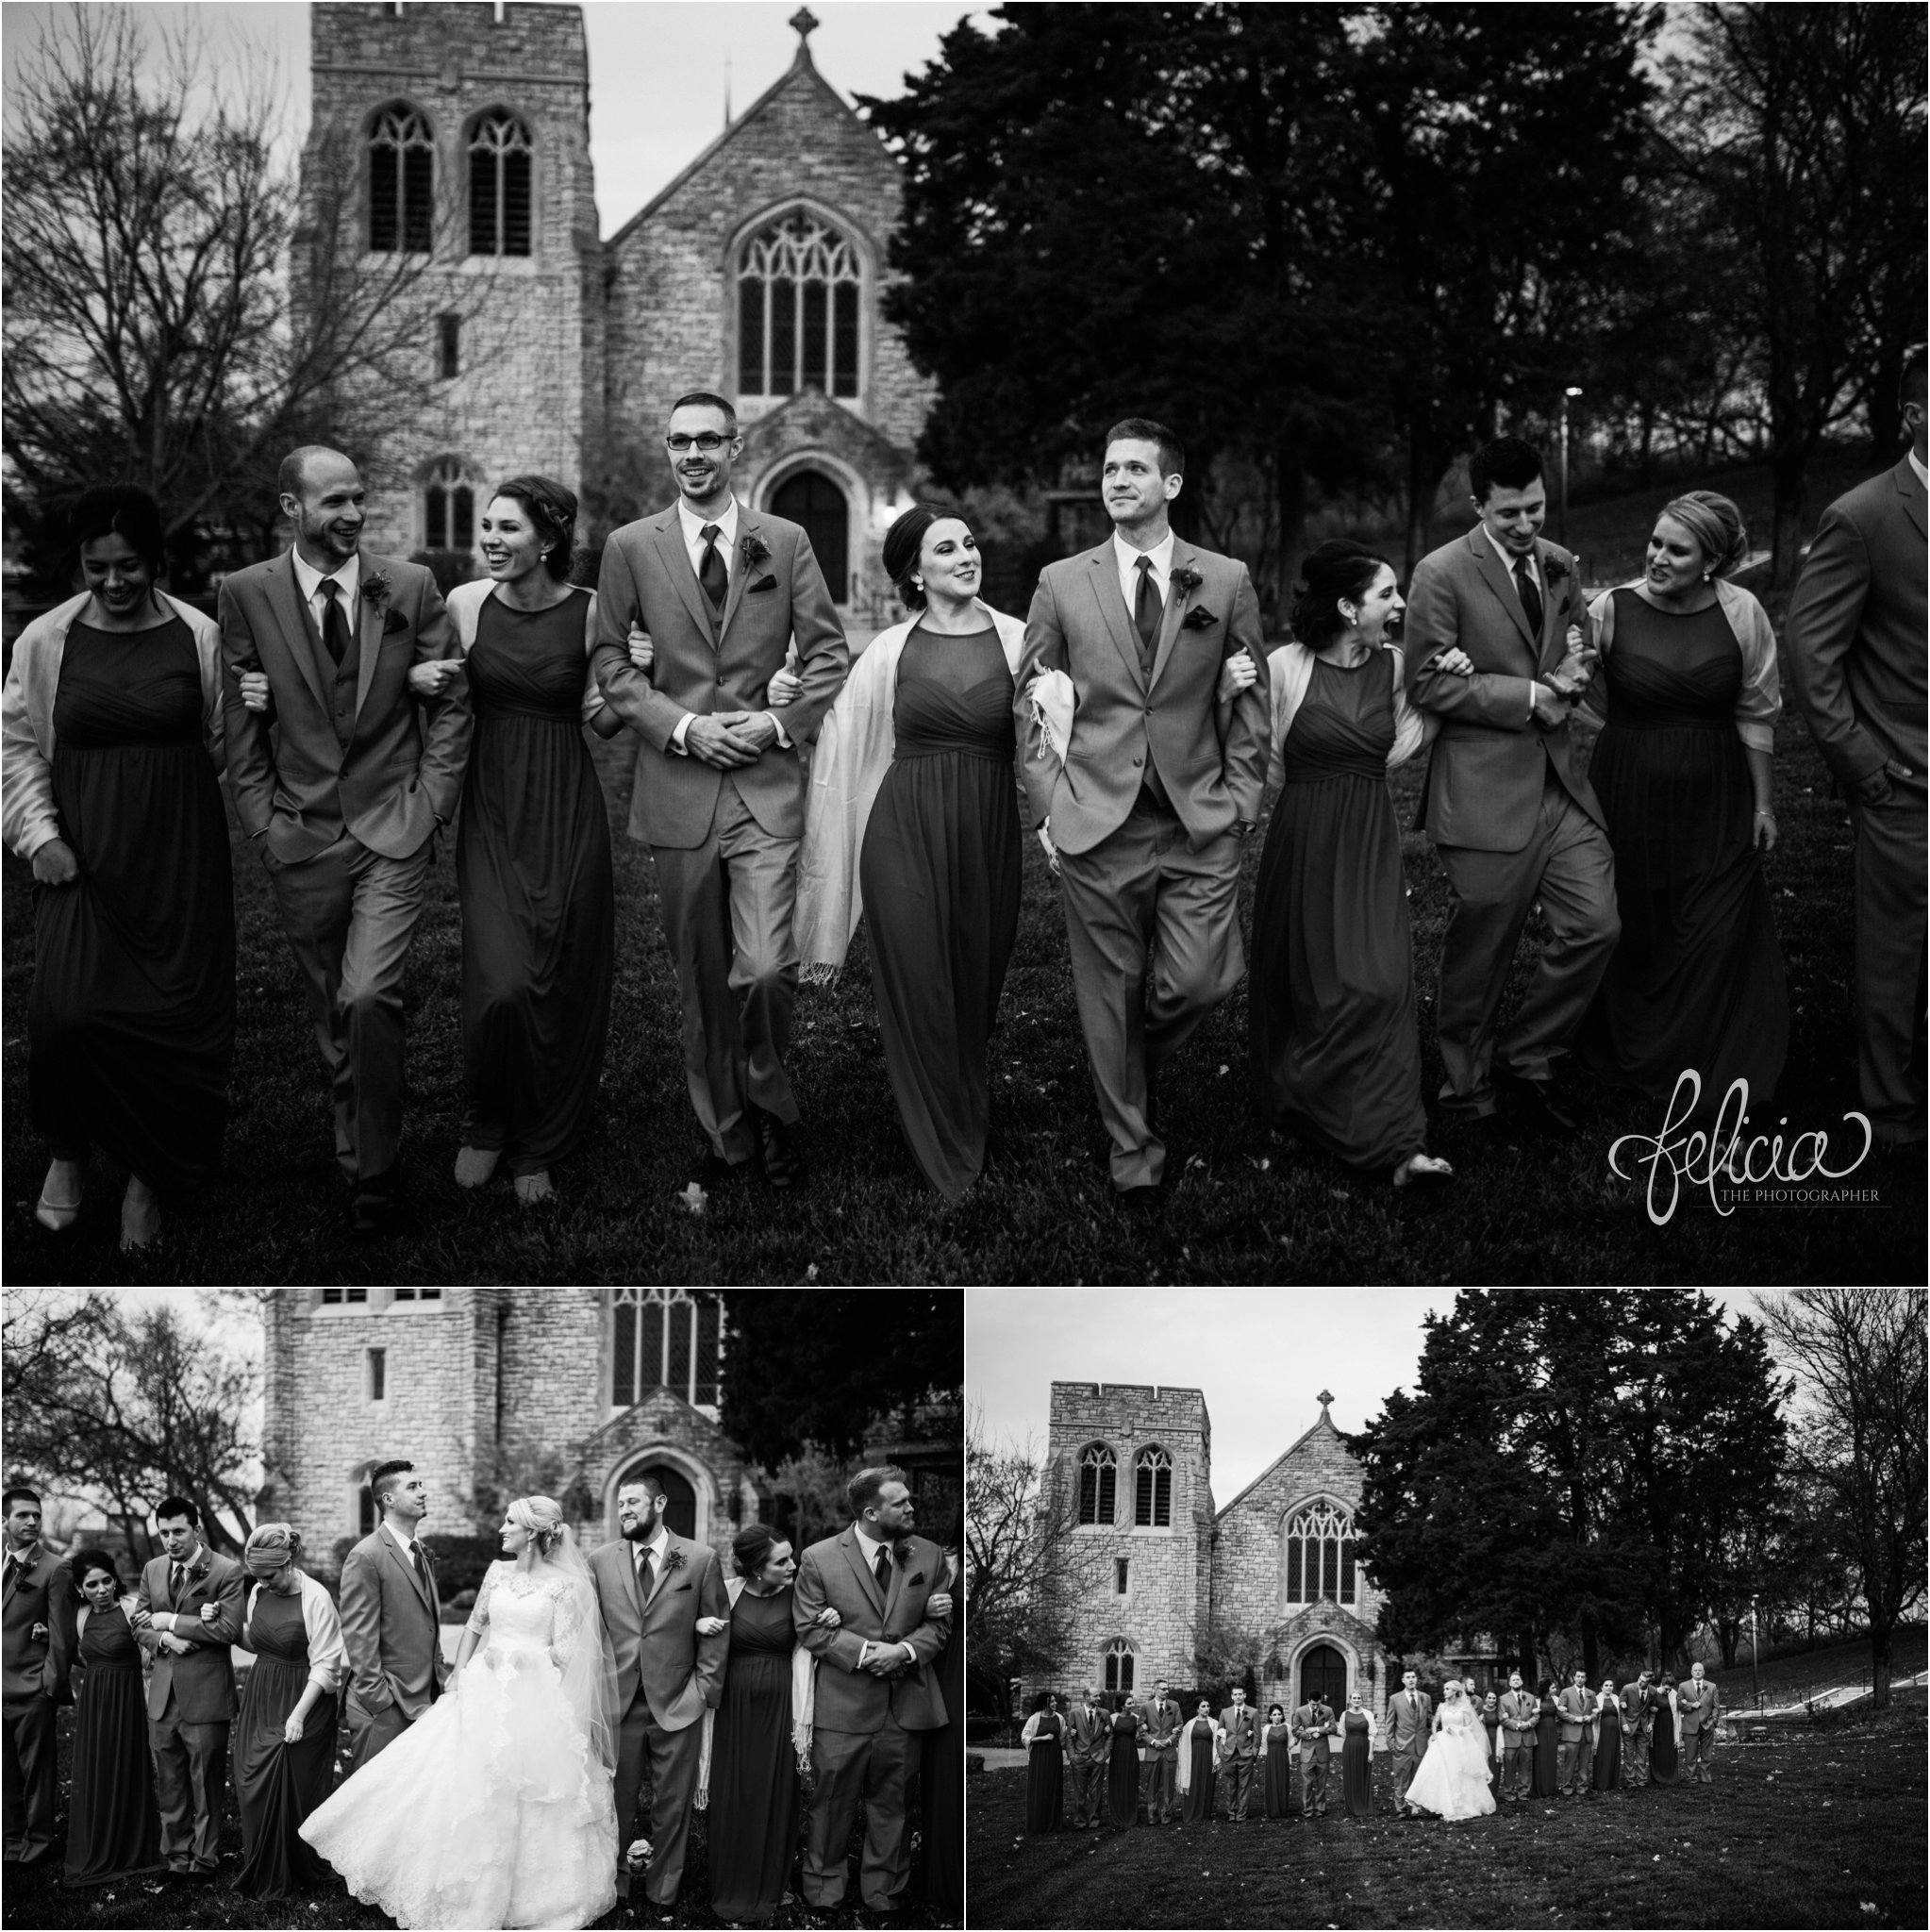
{"points": [[1168, 1574]]}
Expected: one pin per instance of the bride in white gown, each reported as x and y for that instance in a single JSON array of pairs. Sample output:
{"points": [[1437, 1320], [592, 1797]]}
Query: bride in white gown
{"points": [[494, 1808], [1453, 1778]]}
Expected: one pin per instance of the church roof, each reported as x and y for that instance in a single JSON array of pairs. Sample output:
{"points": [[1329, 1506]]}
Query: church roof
{"points": [[804, 70], [1323, 1422]]}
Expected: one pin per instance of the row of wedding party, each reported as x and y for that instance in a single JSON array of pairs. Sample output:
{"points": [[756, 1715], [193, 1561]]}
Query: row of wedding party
{"points": [[1123, 1763], [1135, 722], [501, 1787]]}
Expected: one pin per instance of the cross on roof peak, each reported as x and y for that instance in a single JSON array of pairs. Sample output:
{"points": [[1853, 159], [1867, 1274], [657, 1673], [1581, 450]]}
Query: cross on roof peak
{"points": [[802, 22], [1327, 1397]]}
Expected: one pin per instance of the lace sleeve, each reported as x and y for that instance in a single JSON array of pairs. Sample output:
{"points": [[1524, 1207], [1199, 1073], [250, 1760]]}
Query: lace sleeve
{"points": [[566, 1624], [479, 1616]]}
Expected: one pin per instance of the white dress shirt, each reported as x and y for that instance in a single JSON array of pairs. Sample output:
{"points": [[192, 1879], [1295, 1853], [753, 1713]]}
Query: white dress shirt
{"points": [[404, 1543], [657, 1547], [1917, 464], [868, 1550], [348, 575], [694, 526], [1126, 561], [1508, 563]]}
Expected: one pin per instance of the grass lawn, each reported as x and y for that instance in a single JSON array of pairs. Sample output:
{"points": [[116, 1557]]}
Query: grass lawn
{"points": [[42, 1901], [1245, 1205], [1817, 1827]]}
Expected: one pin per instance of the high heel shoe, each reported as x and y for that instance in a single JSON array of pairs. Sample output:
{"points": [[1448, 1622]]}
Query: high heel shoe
{"points": [[57, 1216]]}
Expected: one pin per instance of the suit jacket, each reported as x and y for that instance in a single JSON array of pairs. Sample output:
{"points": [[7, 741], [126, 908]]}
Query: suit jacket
{"points": [[705, 665], [391, 1623], [1163, 1721], [203, 1681], [656, 1645], [1492, 759], [1857, 624], [834, 1572], [1124, 721], [1408, 1722], [1312, 1742], [1641, 1706], [1089, 1740], [1698, 1712], [1577, 1709], [1242, 1723], [1520, 1712], [35, 1666], [289, 774]]}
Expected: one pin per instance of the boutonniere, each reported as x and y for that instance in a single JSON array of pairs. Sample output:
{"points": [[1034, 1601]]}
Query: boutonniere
{"points": [[1554, 567], [1186, 576], [1198, 618], [673, 1558], [752, 549], [901, 1555], [375, 588]]}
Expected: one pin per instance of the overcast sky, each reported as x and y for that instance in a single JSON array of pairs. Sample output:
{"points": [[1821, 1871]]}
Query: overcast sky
{"points": [[657, 67], [1260, 1355]]}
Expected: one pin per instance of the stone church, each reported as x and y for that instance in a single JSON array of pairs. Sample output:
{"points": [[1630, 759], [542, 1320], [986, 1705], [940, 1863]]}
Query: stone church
{"points": [[757, 273], [1130, 1471]]}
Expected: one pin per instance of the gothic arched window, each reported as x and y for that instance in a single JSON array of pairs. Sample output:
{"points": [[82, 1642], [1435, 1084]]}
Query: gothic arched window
{"points": [[401, 182], [1118, 1665], [499, 153], [1098, 1481], [1151, 1490], [665, 1337], [797, 284], [1319, 1546], [448, 508]]}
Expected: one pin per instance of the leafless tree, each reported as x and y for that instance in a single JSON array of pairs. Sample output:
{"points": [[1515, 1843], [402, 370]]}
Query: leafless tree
{"points": [[1861, 1355], [180, 307]]}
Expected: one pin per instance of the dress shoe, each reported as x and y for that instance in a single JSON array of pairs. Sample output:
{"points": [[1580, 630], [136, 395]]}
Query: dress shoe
{"points": [[777, 1140], [140, 1222], [57, 1214], [474, 1165], [372, 1207], [534, 1189]]}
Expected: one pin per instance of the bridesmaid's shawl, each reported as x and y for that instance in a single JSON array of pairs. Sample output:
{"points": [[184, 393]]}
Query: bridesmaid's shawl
{"points": [[1290, 671], [1185, 1775], [465, 603], [1761, 696], [27, 716], [848, 764]]}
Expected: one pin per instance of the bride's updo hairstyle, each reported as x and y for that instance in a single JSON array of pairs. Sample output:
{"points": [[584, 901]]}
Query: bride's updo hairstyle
{"points": [[1341, 568], [751, 1547], [543, 1520]]}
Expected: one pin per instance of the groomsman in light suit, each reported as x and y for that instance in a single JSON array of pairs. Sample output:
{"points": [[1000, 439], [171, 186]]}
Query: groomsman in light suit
{"points": [[1241, 1724], [188, 1613], [343, 786], [652, 1587], [392, 1618], [875, 1688], [1410, 1711], [1520, 1715], [1313, 1724], [719, 798], [1511, 817], [1858, 618], [1088, 1748], [1164, 1720], [35, 1678], [1700, 1707], [1640, 1701], [1574, 1761], [1145, 818]]}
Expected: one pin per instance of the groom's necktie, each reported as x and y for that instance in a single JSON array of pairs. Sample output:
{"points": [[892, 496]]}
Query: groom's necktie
{"points": [[645, 1574], [882, 1569], [710, 570], [334, 626], [176, 1575], [1531, 595], [1147, 611]]}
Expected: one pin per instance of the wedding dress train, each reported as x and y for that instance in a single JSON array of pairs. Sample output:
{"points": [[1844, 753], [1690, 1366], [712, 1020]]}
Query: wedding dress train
{"points": [[1453, 1778]]}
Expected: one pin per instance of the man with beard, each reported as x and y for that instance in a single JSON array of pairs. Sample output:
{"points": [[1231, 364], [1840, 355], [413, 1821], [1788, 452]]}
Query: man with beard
{"points": [[342, 793], [874, 1687], [653, 1586]]}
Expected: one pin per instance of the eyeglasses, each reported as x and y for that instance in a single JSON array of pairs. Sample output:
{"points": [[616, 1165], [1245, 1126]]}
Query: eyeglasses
{"points": [[710, 442]]}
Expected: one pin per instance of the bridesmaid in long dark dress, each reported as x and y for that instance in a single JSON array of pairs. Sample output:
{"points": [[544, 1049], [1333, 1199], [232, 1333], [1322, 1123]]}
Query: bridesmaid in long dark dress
{"points": [[1122, 1772], [1203, 1745], [1356, 1759], [1547, 1744], [532, 853], [113, 711], [1045, 1738], [1335, 1049], [1609, 1740], [114, 1827], [284, 1742], [1278, 1786], [941, 1777], [1664, 1758], [1490, 1723], [1683, 768], [756, 1754]]}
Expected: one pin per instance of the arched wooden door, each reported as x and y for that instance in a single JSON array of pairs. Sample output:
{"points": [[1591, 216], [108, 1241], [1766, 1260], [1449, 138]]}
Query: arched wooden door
{"points": [[1323, 1674], [814, 499]]}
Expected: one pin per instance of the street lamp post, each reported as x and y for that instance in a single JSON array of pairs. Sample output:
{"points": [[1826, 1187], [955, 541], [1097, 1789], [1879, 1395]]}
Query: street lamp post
{"points": [[1754, 1652], [1567, 396]]}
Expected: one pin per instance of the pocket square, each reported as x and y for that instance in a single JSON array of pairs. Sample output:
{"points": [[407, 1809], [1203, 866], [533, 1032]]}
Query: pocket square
{"points": [[1198, 618], [919, 1578], [683, 1586], [393, 621], [763, 583]]}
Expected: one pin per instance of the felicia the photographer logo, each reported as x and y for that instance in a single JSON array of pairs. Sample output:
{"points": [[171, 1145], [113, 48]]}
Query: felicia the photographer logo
{"points": [[1727, 1165]]}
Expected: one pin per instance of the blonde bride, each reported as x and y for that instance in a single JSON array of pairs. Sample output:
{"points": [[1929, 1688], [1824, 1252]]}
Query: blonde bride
{"points": [[1453, 1778]]}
